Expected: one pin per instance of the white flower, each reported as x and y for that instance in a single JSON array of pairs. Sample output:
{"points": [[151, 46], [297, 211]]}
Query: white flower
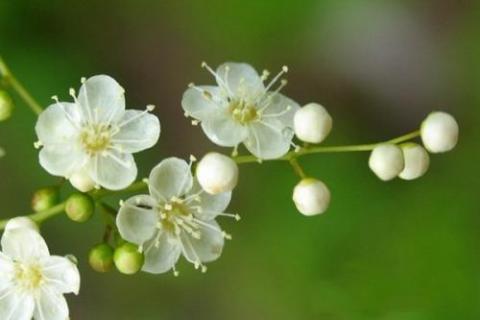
{"points": [[312, 123], [177, 217], [32, 282], [311, 197], [21, 222], [386, 161], [217, 173], [241, 109], [439, 132], [417, 161], [95, 136]]}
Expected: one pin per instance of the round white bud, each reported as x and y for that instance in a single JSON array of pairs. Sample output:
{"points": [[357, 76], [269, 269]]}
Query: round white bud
{"points": [[416, 160], [21, 222], [312, 123], [386, 161], [311, 197], [81, 181], [439, 132], [217, 173]]}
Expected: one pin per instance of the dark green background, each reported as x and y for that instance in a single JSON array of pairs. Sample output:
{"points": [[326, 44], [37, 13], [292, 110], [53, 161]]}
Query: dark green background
{"points": [[391, 251]]}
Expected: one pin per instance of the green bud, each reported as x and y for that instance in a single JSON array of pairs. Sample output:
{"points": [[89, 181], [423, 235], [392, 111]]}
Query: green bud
{"points": [[101, 258], [128, 259], [6, 105], [45, 198], [79, 207]]}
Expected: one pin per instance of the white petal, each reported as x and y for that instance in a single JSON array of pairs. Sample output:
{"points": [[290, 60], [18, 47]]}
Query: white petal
{"points": [[280, 105], [113, 171], [6, 271], [221, 129], [241, 79], [269, 139], [24, 245], [58, 124], [50, 305], [211, 205], [170, 178], [161, 253], [103, 98], [202, 105], [136, 219], [62, 160], [15, 306], [138, 131], [61, 274], [207, 248]]}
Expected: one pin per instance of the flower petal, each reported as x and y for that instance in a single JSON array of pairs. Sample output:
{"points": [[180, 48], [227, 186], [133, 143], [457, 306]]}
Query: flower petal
{"points": [[269, 139], [207, 248], [24, 245], [212, 205], [136, 219], [221, 129], [281, 108], [50, 305], [62, 160], [138, 131], [15, 306], [114, 170], [202, 102], [161, 253], [61, 274], [170, 178], [58, 124], [240, 79], [6, 270], [103, 99]]}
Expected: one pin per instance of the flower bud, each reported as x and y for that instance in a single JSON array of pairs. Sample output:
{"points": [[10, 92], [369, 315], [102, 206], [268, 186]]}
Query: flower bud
{"points": [[45, 198], [79, 207], [128, 259], [81, 181], [439, 132], [416, 159], [386, 161], [6, 105], [100, 258], [217, 173], [21, 222], [312, 123], [311, 196]]}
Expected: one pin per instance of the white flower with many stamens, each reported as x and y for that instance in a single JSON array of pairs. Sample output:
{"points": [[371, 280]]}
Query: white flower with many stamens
{"points": [[32, 282], [242, 109], [95, 137], [177, 217]]}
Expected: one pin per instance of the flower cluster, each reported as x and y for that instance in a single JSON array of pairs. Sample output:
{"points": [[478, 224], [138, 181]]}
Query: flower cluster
{"points": [[90, 142]]}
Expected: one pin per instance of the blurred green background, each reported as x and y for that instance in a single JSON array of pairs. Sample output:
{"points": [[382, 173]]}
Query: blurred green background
{"points": [[390, 251]]}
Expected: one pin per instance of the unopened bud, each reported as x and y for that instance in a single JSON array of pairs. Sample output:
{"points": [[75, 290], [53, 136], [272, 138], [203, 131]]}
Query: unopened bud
{"points": [[81, 181], [217, 173], [386, 161], [128, 259], [6, 105], [312, 123], [417, 161], [100, 258], [45, 198], [311, 197], [79, 207], [439, 132]]}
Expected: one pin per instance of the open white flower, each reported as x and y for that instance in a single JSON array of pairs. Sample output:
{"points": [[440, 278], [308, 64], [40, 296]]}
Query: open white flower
{"points": [[178, 217], [95, 136], [241, 109], [32, 282]]}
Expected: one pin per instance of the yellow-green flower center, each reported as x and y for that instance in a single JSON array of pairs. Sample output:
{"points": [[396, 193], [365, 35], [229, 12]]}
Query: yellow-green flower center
{"points": [[242, 111], [172, 214], [28, 276], [96, 138]]}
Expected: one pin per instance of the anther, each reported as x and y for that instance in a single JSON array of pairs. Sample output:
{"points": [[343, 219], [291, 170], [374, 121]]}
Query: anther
{"points": [[82, 80], [150, 107]]}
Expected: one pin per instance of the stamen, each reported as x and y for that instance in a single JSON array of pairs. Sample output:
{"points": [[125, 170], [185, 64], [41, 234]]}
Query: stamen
{"points": [[175, 272], [148, 109], [265, 75], [235, 151], [281, 73], [230, 215], [38, 144]]}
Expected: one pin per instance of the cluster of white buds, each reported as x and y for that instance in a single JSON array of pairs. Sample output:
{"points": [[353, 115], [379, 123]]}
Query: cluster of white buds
{"points": [[408, 161]]}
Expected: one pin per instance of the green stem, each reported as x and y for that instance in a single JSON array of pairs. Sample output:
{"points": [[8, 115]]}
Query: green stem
{"points": [[11, 81], [329, 149], [297, 168]]}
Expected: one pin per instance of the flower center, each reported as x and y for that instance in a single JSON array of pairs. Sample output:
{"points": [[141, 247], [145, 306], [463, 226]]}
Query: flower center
{"points": [[28, 276], [243, 112], [175, 215], [96, 137]]}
